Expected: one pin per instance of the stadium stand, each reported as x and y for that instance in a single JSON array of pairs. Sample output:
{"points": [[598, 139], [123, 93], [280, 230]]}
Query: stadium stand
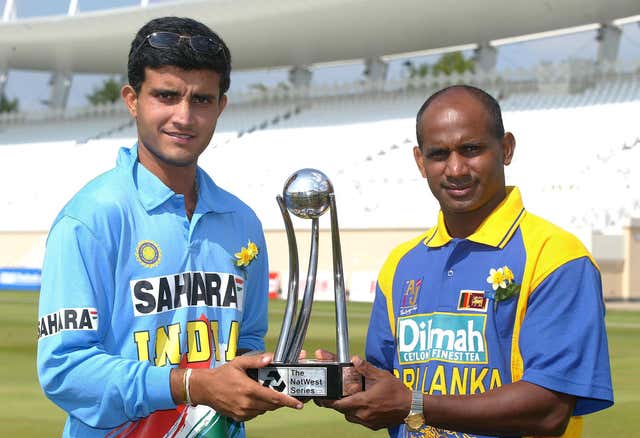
{"points": [[363, 140]]}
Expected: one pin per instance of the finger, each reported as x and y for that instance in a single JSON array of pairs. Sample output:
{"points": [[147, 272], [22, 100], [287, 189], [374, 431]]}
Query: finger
{"points": [[276, 399], [254, 410], [352, 381], [325, 355], [366, 369], [258, 406], [258, 402], [255, 361], [324, 403], [302, 355], [350, 403]]}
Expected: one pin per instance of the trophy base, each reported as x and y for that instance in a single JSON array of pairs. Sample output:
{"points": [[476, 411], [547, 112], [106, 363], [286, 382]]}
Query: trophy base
{"points": [[310, 379]]}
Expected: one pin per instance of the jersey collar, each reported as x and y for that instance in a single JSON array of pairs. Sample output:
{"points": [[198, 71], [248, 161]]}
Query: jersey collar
{"points": [[211, 197], [152, 192], [495, 231]]}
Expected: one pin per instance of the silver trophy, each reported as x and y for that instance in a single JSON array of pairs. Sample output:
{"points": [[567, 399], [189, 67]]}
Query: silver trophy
{"points": [[308, 194]]}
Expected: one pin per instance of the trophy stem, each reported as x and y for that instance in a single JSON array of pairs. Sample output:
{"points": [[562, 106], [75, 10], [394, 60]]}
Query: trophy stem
{"points": [[342, 331], [292, 296], [302, 323]]}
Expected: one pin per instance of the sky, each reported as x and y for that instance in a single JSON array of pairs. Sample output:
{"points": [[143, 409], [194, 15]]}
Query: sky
{"points": [[521, 55]]}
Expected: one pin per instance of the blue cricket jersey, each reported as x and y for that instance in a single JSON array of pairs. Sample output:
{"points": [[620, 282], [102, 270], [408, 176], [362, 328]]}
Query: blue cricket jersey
{"points": [[131, 288], [518, 299]]}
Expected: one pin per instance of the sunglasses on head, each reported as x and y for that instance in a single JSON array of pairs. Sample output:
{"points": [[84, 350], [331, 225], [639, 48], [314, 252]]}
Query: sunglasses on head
{"points": [[165, 40]]}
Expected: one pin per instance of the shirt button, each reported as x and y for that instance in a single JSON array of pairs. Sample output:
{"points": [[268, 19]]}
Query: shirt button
{"points": [[450, 273]]}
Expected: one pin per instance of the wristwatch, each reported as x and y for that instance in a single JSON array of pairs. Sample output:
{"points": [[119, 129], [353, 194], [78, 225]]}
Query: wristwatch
{"points": [[415, 419]]}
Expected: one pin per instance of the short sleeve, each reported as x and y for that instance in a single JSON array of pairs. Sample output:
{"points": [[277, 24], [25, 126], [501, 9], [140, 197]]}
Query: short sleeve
{"points": [[563, 338]]}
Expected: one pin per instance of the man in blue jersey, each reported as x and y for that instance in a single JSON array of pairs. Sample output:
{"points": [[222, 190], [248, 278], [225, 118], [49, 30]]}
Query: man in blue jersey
{"points": [[492, 322], [155, 279]]}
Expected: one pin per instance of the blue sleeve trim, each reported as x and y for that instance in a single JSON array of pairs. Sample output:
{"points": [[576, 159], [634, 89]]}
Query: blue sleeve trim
{"points": [[159, 388]]}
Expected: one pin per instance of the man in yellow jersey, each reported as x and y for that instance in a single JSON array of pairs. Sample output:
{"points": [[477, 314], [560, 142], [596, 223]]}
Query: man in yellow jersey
{"points": [[491, 322]]}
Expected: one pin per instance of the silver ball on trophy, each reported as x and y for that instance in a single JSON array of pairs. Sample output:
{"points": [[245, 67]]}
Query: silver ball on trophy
{"points": [[306, 193]]}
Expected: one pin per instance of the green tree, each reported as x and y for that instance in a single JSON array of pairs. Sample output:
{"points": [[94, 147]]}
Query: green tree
{"points": [[453, 62], [416, 71], [447, 64], [7, 105], [109, 92]]}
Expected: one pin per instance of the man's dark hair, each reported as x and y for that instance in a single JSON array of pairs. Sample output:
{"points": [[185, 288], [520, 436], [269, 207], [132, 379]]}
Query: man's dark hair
{"points": [[142, 54], [491, 105]]}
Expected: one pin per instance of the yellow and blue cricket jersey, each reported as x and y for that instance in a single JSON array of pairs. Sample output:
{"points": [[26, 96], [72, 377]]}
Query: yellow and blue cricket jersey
{"points": [[132, 288], [518, 299]]}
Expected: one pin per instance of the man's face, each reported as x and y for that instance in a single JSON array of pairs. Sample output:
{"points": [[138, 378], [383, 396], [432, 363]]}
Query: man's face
{"points": [[461, 159], [176, 112]]}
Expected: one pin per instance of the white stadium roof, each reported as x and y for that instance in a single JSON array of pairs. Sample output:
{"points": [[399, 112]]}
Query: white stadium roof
{"points": [[270, 33]]}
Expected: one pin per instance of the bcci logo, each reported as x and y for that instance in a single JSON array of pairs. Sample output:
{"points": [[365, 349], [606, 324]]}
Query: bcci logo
{"points": [[148, 253], [409, 301], [274, 380]]}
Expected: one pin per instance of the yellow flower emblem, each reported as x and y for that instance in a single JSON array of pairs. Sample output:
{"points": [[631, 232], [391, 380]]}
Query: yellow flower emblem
{"points": [[502, 282], [253, 249], [246, 254], [508, 275], [497, 278]]}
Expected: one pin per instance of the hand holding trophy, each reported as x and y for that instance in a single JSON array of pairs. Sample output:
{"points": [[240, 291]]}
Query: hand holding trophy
{"points": [[308, 194]]}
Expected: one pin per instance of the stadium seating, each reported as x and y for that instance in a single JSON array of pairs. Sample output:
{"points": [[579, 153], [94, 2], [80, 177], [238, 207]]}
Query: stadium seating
{"points": [[575, 150]]}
